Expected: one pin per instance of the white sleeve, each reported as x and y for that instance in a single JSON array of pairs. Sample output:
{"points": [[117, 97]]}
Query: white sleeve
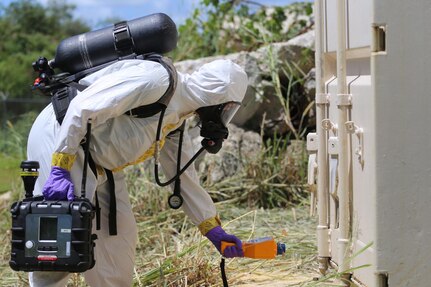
{"points": [[111, 95], [197, 204]]}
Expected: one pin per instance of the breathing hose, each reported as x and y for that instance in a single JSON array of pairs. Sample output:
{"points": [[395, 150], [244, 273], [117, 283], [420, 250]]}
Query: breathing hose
{"points": [[223, 272], [180, 171]]}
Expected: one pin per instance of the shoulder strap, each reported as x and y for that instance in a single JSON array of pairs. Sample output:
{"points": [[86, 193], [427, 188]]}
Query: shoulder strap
{"points": [[61, 100], [154, 108], [173, 79]]}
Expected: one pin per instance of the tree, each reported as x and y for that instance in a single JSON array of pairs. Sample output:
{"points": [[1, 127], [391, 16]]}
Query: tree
{"points": [[227, 26], [31, 30]]}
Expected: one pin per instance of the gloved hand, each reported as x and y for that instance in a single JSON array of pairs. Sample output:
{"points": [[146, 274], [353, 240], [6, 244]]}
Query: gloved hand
{"points": [[217, 235], [59, 185]]}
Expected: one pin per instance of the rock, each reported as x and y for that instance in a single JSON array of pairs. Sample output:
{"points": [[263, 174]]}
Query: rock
{"points": [[305, 40], [261, 109], [240, 147], [261, 101], [310, 83]]}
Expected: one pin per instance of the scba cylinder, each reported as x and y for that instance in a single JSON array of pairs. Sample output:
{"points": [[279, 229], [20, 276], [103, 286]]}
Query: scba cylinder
{"points": [[155, 33]]}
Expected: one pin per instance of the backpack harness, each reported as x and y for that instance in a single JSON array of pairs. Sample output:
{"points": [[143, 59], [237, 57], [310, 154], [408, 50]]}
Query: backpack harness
{"points": [[63, 88], [62, 97]]}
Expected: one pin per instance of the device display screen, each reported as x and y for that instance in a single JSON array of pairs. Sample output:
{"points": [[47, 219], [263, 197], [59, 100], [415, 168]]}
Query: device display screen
{"points": [[48, 228]]}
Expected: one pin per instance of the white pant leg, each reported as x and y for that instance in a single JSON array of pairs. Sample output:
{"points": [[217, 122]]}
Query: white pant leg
{"points": [[115, 255], [48, 279]]}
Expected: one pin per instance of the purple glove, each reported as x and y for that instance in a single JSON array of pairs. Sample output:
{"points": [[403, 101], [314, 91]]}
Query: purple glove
{"points": [[59, 185], [217, 235]]}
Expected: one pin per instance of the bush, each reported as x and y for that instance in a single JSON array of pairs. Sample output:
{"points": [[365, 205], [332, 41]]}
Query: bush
{"points": [[222, 27], [14, 136]]}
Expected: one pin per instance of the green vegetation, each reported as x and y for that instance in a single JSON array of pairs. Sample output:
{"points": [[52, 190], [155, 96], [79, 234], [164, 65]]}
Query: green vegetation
{"points": [[13, 149], [216, 27], [222, 27], [9, 172], [30, 31], [171, 252], [274, 178]]}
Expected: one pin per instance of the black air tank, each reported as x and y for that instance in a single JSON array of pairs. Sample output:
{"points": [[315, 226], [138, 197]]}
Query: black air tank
{"points": [[155, 33]]}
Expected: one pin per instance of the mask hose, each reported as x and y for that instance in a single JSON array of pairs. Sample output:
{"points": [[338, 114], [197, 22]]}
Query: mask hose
{"points": [[156, 166]]}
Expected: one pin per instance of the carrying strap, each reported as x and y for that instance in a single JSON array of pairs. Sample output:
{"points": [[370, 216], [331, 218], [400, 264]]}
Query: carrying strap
{"points": [[123, 40], [61, 100], [112, 203], [154, 108], [93, 168], [112, 216]]}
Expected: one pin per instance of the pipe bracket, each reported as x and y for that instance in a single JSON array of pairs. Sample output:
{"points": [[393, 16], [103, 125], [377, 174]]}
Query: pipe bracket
{"points": [[322, 99], [353, 129], [328, 125], [344, 100], [333, 145], [312, 142]]}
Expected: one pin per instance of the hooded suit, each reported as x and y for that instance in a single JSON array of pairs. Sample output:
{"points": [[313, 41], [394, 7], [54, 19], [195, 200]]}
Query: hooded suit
{"points": [[120, 140]]}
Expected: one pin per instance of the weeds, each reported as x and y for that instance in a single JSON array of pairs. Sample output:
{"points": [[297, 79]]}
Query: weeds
{"points": [[14, 135], [13, 149], [172, 252], [273, 178]]}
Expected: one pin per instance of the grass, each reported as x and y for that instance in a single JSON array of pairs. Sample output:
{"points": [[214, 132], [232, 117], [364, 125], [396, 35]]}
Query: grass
{"points": [[267, 198], [171, 251], [13, 138], [9, 172]]}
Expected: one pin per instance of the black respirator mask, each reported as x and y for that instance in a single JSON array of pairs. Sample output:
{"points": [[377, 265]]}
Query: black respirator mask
{"points": [[214, 120]]}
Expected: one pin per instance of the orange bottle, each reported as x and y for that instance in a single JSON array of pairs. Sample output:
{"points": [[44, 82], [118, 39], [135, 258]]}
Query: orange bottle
{"points": [[259, 248]]}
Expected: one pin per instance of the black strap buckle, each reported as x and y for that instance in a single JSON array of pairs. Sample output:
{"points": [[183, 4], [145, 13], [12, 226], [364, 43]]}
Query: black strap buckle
{"points": [[123, 40]]}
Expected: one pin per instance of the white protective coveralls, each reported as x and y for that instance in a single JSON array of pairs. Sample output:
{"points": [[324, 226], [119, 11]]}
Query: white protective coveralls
{"points": [[119, 140]]}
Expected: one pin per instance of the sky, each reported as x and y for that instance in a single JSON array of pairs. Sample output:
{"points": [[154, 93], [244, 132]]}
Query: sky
{"points": [[95, 11]]}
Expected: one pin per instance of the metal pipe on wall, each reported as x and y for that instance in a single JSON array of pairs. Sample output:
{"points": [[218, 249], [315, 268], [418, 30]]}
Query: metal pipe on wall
{"points": [[343, 102], [322, 153]]}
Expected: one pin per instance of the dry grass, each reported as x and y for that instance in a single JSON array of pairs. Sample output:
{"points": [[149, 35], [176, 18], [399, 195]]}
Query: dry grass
{"points": [[171, 251], [186, 259]]}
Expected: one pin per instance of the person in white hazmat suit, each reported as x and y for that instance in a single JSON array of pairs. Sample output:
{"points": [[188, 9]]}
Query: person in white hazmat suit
{"points": [[119, 140]]}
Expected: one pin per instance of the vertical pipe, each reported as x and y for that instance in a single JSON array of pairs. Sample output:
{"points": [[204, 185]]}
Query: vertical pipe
{"points": [[343, 172], [322, 153]]}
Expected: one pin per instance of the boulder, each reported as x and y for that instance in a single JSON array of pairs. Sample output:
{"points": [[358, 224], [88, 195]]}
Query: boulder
{"points": [[261, 104], [239, 148]]}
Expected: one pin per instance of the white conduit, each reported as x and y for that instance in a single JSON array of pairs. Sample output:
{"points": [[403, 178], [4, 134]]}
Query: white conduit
{"points": [[343, 102], [322, 153]]}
